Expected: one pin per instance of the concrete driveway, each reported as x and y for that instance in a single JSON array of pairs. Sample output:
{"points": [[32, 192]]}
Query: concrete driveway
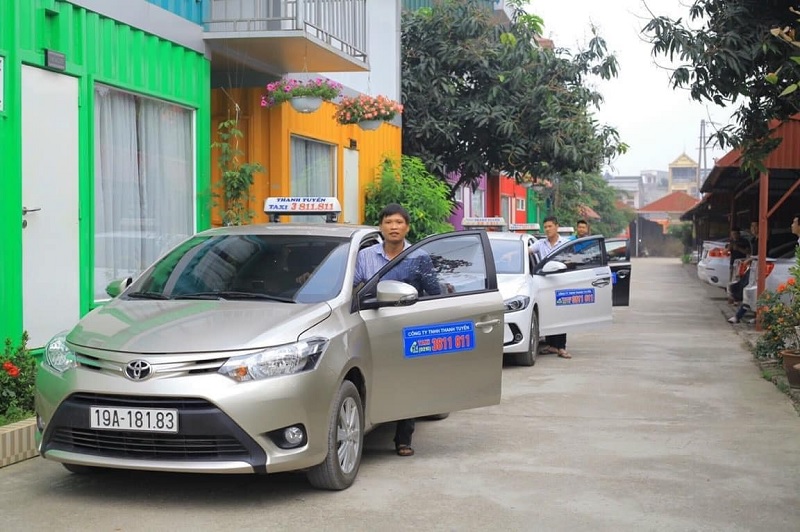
{"points": [[662, 422]]}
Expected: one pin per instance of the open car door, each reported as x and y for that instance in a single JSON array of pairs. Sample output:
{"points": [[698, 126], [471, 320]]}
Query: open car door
{"points": [[434, 318], [573, 287], [618, 253]]}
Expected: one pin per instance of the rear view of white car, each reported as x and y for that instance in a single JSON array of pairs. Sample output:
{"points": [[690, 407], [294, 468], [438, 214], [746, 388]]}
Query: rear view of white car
{"points": [[714, 264]]}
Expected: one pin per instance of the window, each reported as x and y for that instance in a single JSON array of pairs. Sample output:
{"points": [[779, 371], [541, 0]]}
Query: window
{"points": [[505, 208], [451, 265], [581, 255], [520, 204], [313, 168], [477, 203], [143, 185]]}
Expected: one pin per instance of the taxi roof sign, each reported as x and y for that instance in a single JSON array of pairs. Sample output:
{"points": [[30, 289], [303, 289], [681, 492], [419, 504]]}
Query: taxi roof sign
{"points": [[327, 206], [565, 229], [484, 221], [524, 227]]}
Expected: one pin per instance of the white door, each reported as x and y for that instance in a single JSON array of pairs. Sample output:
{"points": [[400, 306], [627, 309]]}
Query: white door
{"points": [[579, 295], [50, 258], [351, 191]]}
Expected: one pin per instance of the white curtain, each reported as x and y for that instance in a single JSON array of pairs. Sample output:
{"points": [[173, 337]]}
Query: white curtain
{"points": [[312, 168], [143, 182]]}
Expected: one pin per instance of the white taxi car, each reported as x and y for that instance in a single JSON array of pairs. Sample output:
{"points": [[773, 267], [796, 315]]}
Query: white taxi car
{"points": [[246, 350], [572, 289]]}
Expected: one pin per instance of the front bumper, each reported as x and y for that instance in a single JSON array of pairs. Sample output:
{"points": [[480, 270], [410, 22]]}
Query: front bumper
{"points": [[224, 426], [517, 331]]}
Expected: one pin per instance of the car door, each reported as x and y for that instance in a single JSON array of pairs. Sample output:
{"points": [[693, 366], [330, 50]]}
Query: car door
{"points": [[440, 351], [573, 287], [618, 254]]}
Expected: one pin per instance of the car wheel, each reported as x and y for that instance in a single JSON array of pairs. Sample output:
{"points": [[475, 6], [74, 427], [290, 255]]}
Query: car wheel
{"points": [[436, 417], [529, 358], [345, 442]]}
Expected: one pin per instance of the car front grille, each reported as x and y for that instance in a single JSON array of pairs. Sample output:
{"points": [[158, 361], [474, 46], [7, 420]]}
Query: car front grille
{"points": [[146, 445], [205, 432]]}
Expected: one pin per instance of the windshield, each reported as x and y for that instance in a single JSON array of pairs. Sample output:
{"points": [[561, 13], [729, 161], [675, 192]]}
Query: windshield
{"points": [[298, 269], [508, 255]]}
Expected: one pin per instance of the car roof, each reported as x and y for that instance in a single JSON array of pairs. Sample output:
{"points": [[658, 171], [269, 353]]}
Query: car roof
{"points": [[325, 230], [506, 235]]}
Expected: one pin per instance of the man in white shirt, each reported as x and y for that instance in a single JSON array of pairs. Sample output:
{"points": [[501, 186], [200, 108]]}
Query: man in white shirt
{"points": [[556, 343]]}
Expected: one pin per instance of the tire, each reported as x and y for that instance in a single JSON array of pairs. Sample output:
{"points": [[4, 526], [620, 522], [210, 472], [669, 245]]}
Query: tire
{"points": [[341, 464], [436, 417], [529, 358]]}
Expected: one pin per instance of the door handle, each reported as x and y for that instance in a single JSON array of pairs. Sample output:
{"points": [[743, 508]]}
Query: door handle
{"points": [[487, 323], [601, 282], [26, 210], [623, 273]]}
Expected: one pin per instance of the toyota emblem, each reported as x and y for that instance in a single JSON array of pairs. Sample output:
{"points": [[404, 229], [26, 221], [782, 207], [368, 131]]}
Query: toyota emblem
{"points": [[138, 370]]}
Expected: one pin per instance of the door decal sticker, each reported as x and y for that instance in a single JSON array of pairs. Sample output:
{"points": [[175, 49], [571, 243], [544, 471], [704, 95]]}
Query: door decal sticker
{"points": [[438, 339], [577, 296]]}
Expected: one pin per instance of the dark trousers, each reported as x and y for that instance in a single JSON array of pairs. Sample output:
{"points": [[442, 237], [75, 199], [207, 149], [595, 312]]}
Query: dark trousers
{"points": [[559, 341], [403, 432]]}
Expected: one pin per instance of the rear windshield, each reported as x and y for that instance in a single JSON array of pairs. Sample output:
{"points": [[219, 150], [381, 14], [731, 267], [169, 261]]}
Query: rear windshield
{"points": [[299, 269]]}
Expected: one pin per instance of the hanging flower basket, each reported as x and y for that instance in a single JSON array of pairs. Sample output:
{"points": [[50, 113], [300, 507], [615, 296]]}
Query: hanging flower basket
{"points": [[306, 104], [305, 97], [365, 108], [370, 125]]}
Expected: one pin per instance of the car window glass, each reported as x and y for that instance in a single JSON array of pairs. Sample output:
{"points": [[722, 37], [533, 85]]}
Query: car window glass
{"points": [[297, 268], [445, 266], [580, 255], [617, 251], [508, 255]]}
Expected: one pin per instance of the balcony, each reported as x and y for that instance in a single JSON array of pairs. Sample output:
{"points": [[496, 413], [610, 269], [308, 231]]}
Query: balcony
{"points": [[279, 36]]}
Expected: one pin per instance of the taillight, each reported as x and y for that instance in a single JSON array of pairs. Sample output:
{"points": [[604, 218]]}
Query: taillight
{"points": [[719, 252], [770, 267], [742, 268]]}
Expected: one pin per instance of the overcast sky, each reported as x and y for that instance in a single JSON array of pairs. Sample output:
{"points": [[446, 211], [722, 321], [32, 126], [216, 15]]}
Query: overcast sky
{"points": [[656, 121]]}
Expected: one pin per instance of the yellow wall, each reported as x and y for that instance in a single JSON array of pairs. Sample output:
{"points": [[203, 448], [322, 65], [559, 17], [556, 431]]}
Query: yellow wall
{"points": [[266, 140]]}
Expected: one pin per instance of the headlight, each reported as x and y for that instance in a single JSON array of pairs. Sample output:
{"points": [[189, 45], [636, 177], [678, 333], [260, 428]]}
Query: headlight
{"points": [[58, 355], [281, 360], [516, 303]]}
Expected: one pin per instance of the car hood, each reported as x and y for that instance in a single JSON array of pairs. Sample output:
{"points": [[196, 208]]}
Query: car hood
{"points": [[194, 326], [511, 285]]}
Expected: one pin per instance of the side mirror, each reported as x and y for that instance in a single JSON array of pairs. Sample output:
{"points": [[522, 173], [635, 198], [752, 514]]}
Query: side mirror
{"points": [[554, 266], [391, 294], [117, 286]]}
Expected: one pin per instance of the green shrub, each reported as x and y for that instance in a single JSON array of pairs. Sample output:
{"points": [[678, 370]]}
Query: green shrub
{"points": [[17, 376], [424, 196]]}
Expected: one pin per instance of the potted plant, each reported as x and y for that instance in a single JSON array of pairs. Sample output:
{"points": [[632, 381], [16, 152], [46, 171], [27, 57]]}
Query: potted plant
{"points": [[367, 111], [779, 316], [304, 97]]}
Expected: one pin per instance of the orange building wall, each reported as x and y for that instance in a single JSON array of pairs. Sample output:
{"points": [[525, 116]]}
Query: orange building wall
{"points": [[266, 140]]}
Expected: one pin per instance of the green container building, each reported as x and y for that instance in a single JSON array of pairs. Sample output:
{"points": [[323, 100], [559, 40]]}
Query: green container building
{"points": [[105, 135]]}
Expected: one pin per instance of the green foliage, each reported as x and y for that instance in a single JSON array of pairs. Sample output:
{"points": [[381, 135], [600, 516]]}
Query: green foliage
{"points": [[580, 189], [727, 54], [17, 377], [424, 196], [285, 89], [237, 177], [779, 315], [481, 97], [683, 232]]}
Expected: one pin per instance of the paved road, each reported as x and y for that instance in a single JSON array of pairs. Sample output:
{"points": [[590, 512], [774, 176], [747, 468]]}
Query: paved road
{"points": [[661, 423]]}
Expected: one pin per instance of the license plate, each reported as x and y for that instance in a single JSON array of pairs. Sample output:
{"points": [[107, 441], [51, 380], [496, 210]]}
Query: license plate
{"points": [[142, 419]]}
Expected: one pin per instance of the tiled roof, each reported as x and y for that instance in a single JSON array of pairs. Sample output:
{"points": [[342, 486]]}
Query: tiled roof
{"points": [[677, 202]]}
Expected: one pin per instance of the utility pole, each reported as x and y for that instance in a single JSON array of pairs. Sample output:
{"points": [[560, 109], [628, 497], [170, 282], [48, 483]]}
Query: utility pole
{"points": [[702, 161]]}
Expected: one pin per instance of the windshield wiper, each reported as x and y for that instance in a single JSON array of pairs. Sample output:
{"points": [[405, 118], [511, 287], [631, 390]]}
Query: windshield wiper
{"points": [[147, 295], [233, 295]]}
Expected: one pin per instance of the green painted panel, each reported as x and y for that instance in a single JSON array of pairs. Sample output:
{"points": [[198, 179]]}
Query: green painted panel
{"points": [[97, 50]]}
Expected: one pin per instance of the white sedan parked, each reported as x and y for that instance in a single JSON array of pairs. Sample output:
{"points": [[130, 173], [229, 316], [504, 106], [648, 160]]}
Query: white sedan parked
{"points": [[714, 264]]}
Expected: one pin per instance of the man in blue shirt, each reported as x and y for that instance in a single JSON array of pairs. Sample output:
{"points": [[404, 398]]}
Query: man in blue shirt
{"points": [[416, 270]]}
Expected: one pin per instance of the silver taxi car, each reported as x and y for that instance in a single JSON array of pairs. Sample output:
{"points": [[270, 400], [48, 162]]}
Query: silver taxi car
{"points": [[248, 350]]}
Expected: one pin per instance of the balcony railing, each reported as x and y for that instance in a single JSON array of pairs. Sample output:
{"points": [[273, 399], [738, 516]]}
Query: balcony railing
{"points": [[341, 24]]}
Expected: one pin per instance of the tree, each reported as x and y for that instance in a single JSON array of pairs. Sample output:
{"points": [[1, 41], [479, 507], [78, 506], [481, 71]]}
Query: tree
{"points": [[482, 97], [731, 55], [424, 196], [236, 176], [589, 190]]}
